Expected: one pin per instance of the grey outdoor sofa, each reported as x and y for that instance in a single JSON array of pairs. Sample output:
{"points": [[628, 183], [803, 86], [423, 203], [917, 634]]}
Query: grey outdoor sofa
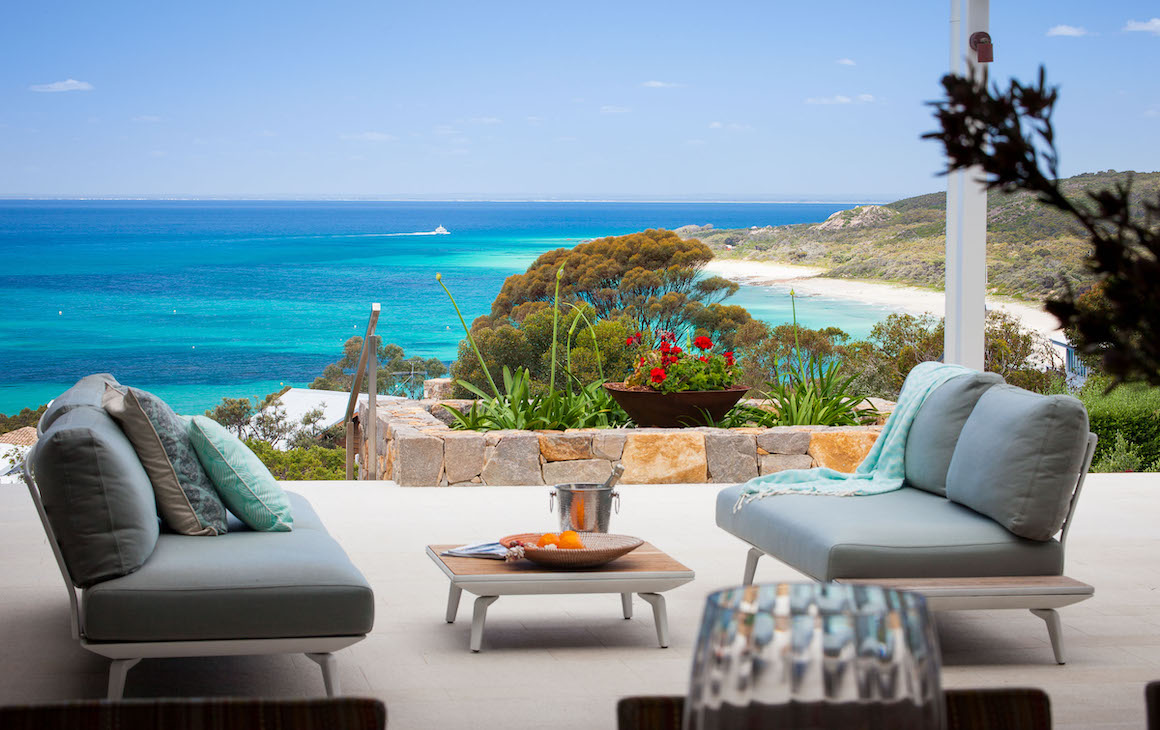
{"points": [[993, 474], [136, 591]]}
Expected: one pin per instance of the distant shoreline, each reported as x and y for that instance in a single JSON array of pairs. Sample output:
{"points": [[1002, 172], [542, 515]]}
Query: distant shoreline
{"points": [[807, 281]]}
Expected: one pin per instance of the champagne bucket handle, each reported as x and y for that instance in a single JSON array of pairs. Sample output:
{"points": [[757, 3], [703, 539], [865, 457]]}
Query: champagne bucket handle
{"points": [[616, 501], [552, 501]]}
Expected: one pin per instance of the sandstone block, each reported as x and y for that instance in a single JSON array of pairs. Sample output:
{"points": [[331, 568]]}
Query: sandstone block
{"points": [[557, 446], [673, 457], [462, 455], [577, 471], [417, 459], [784, 440], [608, 444], [440, 410], [515, 461], [731, 456], [841, 450], [780, 462], [438, 388]]}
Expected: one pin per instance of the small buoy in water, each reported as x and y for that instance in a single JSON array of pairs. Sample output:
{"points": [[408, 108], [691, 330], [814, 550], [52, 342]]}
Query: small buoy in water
{"points": [[60, 311], [175, 311], [194, 347]]}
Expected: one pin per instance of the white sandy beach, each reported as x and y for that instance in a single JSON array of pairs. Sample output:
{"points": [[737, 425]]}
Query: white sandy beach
{"points": [[806, 280]]}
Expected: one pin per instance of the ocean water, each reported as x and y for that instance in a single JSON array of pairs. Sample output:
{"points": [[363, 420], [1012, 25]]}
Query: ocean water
{"points": [[199, 300]]}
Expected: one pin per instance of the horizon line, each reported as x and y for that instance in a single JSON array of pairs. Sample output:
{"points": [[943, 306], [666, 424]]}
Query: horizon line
{"points": [[385, 199]]}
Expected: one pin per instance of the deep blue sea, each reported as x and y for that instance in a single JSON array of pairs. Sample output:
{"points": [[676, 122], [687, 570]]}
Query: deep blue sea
{"points": [[198, 300]]}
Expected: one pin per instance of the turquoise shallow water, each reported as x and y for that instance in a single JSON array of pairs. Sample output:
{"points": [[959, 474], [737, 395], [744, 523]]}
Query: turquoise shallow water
{"points": [[198, 300]]}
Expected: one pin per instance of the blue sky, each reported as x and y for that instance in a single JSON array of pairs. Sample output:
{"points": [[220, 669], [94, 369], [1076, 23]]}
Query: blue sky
{"points": [[753, 100]]}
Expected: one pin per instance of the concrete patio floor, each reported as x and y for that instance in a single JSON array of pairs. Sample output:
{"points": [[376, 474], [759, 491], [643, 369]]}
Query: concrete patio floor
{"points": [[562, 661]]}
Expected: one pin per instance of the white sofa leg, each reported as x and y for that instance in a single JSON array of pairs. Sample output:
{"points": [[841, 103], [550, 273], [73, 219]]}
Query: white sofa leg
{"points": [[118, 669], [329, 672], [1054, 631], [751, 565]]}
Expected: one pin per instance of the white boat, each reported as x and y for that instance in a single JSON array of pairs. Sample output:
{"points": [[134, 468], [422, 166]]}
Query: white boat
{"points": [[441, 229]]}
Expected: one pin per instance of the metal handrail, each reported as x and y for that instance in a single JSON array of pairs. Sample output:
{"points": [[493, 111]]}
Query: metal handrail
{"points": [[367, 362]]}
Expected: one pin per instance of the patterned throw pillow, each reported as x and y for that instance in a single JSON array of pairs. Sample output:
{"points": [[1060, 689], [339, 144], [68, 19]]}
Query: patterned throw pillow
{"points": [[243, 481], [186, 497]]}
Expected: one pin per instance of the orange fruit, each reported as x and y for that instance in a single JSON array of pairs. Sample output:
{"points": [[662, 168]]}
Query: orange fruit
{"points": [[548, 538], [569, 540]]}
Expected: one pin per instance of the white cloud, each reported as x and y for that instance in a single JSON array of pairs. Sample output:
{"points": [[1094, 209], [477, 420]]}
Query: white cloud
{"points": [[66, 85], [1144, 26], [661, 85], [369, 137], [1070, 31], [486, 120], [845, 62], [731, 126], [534, 120], [866, 98], [612, 109], [445, 130], [147, 118], [836, 99]]}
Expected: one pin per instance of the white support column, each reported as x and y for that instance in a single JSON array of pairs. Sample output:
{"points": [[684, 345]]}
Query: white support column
{"points": [[966, 244]]}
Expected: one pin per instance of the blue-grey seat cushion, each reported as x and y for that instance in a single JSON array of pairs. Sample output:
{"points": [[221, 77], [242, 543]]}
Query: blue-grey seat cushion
{"points": [[1018, 459], [87, 392], [241, 585], [936, 428], [907, 533], [97, 496]]}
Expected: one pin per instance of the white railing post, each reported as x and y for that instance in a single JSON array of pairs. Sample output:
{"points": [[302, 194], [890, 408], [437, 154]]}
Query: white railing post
{"points": [[966, 239]]}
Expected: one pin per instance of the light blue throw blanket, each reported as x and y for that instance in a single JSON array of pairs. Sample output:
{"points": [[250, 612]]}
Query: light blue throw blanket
{"points": [[884, 467]]}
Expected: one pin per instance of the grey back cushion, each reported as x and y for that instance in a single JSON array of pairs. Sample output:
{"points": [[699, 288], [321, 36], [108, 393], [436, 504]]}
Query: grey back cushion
{"points": [[96, 494], [87, 392], [936, 428], [1018, 459]]}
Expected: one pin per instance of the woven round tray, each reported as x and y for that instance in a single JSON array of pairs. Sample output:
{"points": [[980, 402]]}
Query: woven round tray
{"points": [[599, 548]]}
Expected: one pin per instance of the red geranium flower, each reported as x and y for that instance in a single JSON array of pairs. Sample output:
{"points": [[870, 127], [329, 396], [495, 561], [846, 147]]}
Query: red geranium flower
{"points": [[642, 359], [657, 375], [676, 352], [702, 343], [729, 358], [704, 358], [665, 347]]}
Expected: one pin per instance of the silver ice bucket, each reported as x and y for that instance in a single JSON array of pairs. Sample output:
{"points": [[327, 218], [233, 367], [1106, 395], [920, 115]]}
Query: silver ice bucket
{"points": [[584, 507]]}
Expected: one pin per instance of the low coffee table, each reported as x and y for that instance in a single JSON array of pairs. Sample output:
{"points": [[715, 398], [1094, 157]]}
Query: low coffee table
{"points": [[646, 571]]}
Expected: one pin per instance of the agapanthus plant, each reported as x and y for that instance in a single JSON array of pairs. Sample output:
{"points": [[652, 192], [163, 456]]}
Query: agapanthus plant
{"points": [[664, 365]]}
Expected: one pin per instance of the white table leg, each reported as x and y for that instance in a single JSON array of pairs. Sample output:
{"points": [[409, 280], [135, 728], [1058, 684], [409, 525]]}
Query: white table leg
{"points": [[626, 604], [453, 602], [478, 618], [660, 616]]}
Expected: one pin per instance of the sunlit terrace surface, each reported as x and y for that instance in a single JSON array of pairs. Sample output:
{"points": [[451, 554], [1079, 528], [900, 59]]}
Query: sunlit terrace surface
{"points": [[563, 661]]}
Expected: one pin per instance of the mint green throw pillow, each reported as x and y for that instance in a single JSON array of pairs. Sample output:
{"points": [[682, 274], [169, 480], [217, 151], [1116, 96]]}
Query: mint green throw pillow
{"points": [[243, 481]]}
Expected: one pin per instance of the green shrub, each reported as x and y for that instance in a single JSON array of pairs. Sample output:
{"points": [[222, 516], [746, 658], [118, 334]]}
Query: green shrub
{"points": [[1131, 411], [1122, 456], [309, 463], [26, 417]]}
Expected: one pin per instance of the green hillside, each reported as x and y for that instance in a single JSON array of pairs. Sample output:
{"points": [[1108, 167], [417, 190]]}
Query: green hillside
{"points": [[1031, 249]]}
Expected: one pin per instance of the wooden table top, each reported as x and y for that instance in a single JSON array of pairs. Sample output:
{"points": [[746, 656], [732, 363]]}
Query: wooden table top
{"points": [[645, 559]]}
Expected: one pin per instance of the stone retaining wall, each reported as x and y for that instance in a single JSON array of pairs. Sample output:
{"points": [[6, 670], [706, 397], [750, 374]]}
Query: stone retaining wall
{"points": [[418, 449]]}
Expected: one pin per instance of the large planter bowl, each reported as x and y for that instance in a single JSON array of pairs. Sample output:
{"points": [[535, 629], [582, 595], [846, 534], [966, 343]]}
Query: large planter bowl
{"points": [[649, 407]]}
